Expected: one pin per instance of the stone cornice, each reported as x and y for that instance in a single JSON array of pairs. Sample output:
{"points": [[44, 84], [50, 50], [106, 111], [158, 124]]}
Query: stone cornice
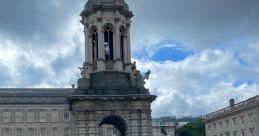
{"points": [[127, 13], [134, 97], [32, 100]]}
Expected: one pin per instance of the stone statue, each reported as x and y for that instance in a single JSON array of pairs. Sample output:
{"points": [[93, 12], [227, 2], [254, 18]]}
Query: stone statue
{"points": [[107, 51], [84, 73], [147, 74], [134, 69]]}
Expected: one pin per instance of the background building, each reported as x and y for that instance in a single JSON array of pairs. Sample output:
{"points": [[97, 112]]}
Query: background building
{"points": [[239, 119], [164, 126], [34, 112]]}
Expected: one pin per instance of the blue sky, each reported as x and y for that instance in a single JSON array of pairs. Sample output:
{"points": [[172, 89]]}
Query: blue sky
{"points": [[201, 53]]}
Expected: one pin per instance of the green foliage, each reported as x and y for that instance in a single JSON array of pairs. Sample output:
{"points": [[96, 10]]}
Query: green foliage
{"points": [[192, 129]]}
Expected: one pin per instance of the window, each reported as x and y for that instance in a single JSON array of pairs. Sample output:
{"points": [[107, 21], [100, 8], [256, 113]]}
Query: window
{"points": [[242, 119], [6, 116], [54, 116], [43, 116], [214, 125], [66, 116], [31, 132], [227, 123], [243, 132], [18, 116], [6, 132], [220, 125], [66, 131], [227, 134], [235, 133], [251, 131], [43, 132], [234, 121], [251, 117], [55, 131], [30, 116], [18, 132], [209, 127]]}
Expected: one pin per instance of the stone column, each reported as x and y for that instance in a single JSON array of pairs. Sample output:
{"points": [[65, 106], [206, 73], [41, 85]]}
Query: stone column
{"points": [[92, 125], [146, 123], [125, 48], [118, 62], [134, 123], [117, 41], [79, 123], [90, 48], [100, 60], [100, 40], [87, 45], [128, 60]]}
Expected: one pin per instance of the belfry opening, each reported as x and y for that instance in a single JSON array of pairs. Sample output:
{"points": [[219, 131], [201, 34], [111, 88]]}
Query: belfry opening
{"points": [[108, 42]]}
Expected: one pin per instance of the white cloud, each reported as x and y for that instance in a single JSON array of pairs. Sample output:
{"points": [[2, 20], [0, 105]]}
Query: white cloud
{"points": [[199, 84]]}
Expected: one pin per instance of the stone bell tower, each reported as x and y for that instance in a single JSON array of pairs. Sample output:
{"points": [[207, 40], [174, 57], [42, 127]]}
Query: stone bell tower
{"points": [[111, 89]]}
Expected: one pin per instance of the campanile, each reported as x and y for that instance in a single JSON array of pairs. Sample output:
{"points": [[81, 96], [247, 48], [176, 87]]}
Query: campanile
{"points": [[111, 89]]}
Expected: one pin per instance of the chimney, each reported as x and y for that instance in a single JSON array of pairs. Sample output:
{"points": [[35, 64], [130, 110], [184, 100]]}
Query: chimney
{"points": [[73, 86], [232, 102]]}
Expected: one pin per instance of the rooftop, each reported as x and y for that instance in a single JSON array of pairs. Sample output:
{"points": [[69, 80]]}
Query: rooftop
{"points": [[34, 95], [232, 109]]}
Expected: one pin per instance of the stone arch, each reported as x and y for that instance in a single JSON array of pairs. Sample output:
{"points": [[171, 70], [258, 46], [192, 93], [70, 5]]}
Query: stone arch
{"points": [[115, 121], [92, 29], [108, 25], [108, 41]]}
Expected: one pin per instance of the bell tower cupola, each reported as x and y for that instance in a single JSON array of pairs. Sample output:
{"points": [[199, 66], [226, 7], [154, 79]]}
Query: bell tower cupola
{"points": [[107, 36]]}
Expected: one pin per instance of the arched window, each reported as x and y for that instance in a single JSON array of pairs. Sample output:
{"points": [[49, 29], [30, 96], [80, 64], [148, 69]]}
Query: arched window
{"points": [[122, 44], [95, 45], [108, 43]]}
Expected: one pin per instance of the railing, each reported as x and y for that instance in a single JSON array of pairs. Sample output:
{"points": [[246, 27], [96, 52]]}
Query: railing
{"points": [[239, 106]]}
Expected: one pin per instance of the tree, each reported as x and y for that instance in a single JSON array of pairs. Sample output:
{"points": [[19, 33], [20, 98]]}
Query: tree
{"points": [[192, 129]]}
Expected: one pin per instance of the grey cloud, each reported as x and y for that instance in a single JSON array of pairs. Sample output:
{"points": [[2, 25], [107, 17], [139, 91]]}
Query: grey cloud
{"points": [[198, 24], [32, 20]]}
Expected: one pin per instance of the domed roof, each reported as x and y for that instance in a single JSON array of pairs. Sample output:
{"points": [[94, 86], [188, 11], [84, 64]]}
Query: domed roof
{"points": [[103, 4]]}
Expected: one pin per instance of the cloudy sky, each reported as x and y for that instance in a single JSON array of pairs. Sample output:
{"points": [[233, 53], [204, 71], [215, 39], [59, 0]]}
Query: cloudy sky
{"points": [[201, 53]]}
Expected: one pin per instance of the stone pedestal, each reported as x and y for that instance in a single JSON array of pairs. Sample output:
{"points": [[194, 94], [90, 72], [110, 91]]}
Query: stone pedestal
{"points": [[130, 114], [109, 98]]}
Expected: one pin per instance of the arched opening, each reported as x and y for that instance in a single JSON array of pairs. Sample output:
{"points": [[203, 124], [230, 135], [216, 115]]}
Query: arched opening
{"points": [[94, 44], [122, 44], [112, 126], [108, 43]]}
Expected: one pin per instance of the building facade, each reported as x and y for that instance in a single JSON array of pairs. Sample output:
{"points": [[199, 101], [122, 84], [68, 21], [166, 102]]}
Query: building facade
{"points": [[241, 119], [34, 112]]}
